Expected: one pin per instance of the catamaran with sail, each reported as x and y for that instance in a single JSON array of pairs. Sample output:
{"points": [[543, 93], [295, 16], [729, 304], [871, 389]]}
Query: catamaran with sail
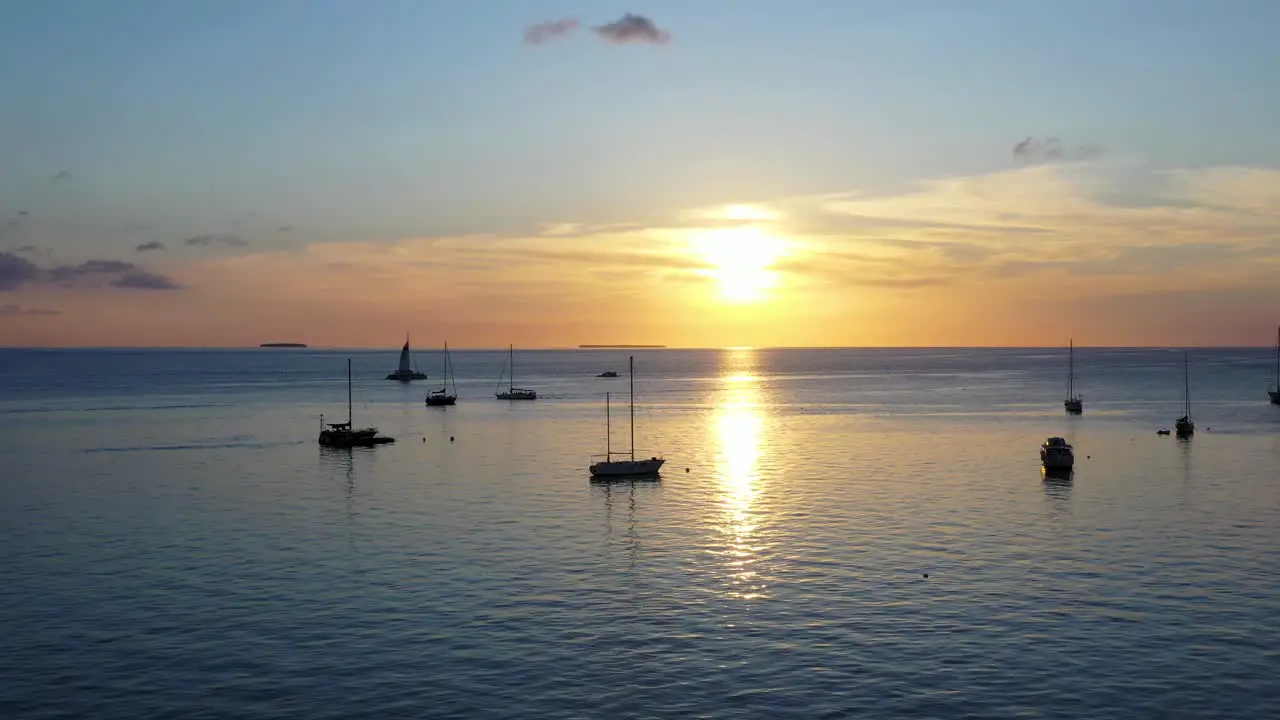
{"points": [[407, 370], [1074, 404], [606, 466], [1183, 427], [442, 397], [345, 435], [512, 392]]}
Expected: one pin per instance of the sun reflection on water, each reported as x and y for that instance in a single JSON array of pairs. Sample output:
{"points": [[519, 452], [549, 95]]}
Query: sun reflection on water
{"points": [[739, 426]]}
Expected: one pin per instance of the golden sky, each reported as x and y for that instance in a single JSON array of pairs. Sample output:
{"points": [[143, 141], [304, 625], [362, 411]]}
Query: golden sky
{"points": [[1108, 253]]}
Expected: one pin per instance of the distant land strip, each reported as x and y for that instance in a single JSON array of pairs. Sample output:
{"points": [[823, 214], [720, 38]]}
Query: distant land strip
{"points": [[620, 347], [292, 345]]}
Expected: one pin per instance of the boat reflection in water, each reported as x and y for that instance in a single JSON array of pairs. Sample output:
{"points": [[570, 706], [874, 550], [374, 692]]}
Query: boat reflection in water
{"points": [[739, 426]]}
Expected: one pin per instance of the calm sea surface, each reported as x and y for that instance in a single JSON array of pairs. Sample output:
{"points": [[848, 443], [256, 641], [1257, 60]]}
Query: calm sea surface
{"points": [[173, 542]]}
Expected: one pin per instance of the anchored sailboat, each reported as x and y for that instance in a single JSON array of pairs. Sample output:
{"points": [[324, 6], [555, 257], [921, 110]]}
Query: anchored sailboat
{"points": [[512, 392], [441, 397], [1274, 390], [1183, 427], [406, 371], [630, 467], [344, 435], [1074, 404]]}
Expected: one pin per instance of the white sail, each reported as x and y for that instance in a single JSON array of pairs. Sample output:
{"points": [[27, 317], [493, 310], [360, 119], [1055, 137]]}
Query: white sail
{"points": [[405, 367]]}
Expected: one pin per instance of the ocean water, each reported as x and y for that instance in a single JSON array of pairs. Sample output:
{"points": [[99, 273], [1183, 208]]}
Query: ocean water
{"points": [[173, 542]]}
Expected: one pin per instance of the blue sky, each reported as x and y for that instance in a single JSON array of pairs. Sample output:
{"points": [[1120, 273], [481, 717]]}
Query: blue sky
{"points": [[393, 117]]}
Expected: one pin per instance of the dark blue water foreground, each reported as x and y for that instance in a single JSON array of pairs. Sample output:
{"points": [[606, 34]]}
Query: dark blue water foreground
{"points": [[174, 544]]}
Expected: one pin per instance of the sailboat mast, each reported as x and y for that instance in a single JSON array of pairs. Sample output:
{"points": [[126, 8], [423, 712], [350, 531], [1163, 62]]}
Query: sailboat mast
{"points": [[631, 372], [1186, 383], [511, 357], [608, 434], [1278, 359], [448, 365], [1071, 370], [349, 421]]}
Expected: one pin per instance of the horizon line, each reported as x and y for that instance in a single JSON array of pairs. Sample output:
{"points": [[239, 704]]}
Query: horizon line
{"points": [[574, 348]]}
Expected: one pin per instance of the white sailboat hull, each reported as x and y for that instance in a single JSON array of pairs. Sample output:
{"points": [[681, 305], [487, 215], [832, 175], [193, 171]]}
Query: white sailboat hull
{"points": [[627, 468]]}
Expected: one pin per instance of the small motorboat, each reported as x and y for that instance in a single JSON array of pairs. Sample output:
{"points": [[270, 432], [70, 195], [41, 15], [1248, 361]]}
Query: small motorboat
{"points": [[1162, 431], [608, 374], [1057, 454]]}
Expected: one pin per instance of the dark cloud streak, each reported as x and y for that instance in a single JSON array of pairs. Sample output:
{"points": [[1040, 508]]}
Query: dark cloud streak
{"points": [[149, 246], [633, 28], [12, 310], [214, 239], [144, 280], [550, 30], [16, 271], [1051, 149]]}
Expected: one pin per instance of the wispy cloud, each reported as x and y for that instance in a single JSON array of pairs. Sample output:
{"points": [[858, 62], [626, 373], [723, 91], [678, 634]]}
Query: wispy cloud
{"points": [[13, 310], [633, 28], [143, 280], [550, 30], [1049, 149], [215, 239], [150, 246], [61, 176], [285, 229]]}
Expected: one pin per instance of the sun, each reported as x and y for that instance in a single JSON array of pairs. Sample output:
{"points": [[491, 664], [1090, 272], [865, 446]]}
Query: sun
{"points": [[742, 261]]}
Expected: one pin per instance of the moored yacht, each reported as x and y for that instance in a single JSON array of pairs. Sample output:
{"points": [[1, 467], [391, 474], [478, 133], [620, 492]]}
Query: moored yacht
{"points": [[345, 435], [1183, 426], [1074, 404], [512, 392], [606, 466]]}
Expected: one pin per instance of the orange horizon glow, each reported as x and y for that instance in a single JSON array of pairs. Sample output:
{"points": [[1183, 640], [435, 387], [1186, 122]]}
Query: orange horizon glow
{"points": [[1022, 258]]}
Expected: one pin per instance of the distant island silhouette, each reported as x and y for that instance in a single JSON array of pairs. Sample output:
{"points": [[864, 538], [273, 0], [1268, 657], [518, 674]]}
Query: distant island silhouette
{"points": [[620, 347], [289, 345]]}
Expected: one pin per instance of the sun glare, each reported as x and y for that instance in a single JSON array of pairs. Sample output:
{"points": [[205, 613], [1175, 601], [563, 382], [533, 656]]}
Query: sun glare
{"points": [[743, 259]]}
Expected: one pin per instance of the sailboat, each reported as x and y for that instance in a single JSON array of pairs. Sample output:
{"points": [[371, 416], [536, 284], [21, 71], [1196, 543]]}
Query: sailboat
{"points": [[441, 397], [1074, 403], [406, 371], [630, 467], [1184, 427], [1274, 390], [344, 435], [512, 392]]}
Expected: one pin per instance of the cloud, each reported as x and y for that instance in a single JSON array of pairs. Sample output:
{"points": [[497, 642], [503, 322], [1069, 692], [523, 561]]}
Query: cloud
{"points": [[213, 239], [285, 229], [633, 29], [27, 249], [16, 271], [143, 280], [550, 30], [12, 310], [1051, 149], [61, 177], [149, 246]]}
